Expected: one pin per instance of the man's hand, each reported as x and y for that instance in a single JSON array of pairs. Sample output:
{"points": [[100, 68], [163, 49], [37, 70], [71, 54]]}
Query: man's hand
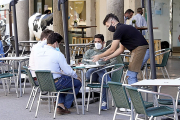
{"points": [[106, 58], [95, 58], [79, 78]]}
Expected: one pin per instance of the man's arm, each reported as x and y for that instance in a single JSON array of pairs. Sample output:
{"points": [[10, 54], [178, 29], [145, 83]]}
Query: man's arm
{"points": [[111, 50], [116, 53]]}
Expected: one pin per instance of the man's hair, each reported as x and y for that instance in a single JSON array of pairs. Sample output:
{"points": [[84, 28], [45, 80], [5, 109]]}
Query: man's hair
{"points": [[46, 12], [129, 11], [110, 16], [139, 10], [45, 34], [53, 37], [101, 36]]}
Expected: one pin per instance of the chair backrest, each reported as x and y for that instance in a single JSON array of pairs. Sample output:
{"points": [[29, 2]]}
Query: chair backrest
{"points": [[31, 80], [119, 95], [137, 100], [45, 80], [166, 57], [116, 76]]}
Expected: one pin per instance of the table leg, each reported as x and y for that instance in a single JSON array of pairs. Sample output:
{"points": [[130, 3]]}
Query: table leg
{"points": [[19, 77], [82, 77]]}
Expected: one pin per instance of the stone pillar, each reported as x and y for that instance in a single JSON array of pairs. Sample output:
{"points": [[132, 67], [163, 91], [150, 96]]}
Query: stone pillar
{"points": [[22, 11], [58, 22], [90, 17], [116, 7], [31, 7]]}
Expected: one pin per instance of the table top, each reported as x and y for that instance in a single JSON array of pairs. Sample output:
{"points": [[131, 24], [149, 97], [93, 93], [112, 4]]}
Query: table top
{"points": [[14, 58], [86, 66], [145, 28], [28, 41], [83, 26], [158, 82]]}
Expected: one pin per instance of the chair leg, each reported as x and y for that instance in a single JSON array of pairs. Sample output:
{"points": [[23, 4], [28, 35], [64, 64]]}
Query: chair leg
{"points": [[30, 97], [107, 98], [100, 102], [57, 99], [151, 118], [49, 103], [163, 73], [136, 116], [88, 100], [4, 87], [77, 109], [38, 105], [24, 85], [115, 112], [35, 92], [166, 72]]}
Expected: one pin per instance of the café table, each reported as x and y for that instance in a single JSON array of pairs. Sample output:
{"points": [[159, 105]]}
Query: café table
{"points": [[19, 60], [82, 28], [160, 82], [83, 69]]}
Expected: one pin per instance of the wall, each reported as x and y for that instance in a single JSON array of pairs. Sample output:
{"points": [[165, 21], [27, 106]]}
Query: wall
{"points": [[161, 21], [100, 15]]}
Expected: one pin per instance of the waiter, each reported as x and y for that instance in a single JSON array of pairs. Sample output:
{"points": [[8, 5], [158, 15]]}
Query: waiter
{"points": [[130, 38]]}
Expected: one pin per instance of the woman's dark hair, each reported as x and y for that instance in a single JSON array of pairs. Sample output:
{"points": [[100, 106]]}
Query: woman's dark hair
{"points": [[99, 36], [45, 34], [110, 16], [53, 37]]}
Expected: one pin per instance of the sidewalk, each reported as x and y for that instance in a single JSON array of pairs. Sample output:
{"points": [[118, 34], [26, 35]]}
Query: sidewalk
{"points": [[13, 108]]}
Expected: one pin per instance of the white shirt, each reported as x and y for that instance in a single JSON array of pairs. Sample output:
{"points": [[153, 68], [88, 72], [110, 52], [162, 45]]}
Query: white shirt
{"points": [[49, 59], [34, 49], [140, 21]]}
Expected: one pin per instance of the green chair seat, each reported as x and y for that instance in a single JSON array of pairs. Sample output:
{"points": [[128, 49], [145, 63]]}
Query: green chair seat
{"points": [[167, 102], [160, 111], [148, 104], [65, 90], [97, 86], [5, 75], [22, 71]]}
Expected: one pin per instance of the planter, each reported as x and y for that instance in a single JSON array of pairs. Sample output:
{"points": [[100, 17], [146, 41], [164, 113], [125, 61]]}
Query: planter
{"points": [[75, 24]]}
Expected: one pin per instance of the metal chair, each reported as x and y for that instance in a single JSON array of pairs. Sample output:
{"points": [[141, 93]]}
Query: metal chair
{"points": [[46, 83], [165, 54], [121, 99], [116, 77], [33, 91], [156, 111]]}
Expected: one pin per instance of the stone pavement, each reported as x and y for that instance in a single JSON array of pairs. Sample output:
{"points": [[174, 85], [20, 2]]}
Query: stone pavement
{"points": [[13, 108]]}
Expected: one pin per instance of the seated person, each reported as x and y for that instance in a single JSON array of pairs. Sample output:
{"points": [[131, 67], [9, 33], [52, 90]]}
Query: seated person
{"points": [[99, 42], [48, 58], [35, 48]]}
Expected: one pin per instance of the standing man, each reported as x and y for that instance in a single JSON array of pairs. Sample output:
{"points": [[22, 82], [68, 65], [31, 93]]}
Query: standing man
{"points": [[179, 38], [140, 20], [130, 38], [128, 15]]}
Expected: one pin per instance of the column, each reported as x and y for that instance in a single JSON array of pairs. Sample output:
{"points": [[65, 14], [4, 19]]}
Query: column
{"points": [[90, 17], [116, 7], [58, 22], [22, 11], [31, 7]]}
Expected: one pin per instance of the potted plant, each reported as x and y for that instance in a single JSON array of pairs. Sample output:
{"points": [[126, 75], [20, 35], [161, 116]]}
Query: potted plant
{"points": [[134, 23], [75, 23]]}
